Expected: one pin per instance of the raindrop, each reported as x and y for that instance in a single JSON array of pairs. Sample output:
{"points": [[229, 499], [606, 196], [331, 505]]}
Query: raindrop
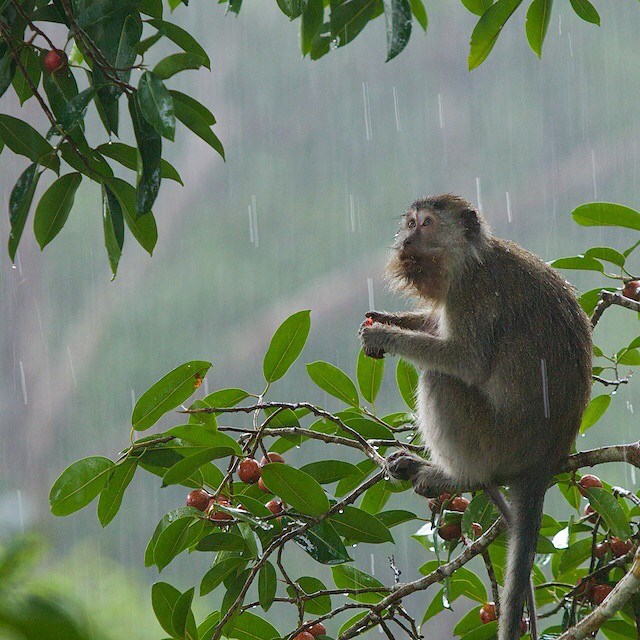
{"points": [[133, 398], [73, 373], [545, 388], [352, 212], [509, 218], [13, 266], [354, 545], [593, 174], [367, 110], [23, 383], [570, 45], [614, 392], [440, 113], [373, 565], [370, 292], [340, 510], [395, 106], [386, 476], [478, 195]]}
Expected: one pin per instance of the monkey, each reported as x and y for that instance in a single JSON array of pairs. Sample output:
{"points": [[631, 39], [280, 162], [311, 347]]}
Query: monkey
{"points": [[504, 355]]}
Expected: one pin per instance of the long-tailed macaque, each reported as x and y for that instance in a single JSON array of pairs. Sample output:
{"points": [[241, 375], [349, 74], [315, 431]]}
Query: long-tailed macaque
{"points": [[504, 353]]}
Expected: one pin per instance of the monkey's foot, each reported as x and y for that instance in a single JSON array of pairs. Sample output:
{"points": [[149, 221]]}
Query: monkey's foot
{"points": [[404, 465]]}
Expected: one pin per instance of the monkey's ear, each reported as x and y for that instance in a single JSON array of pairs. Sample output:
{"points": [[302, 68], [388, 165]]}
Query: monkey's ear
{"points": [[471, 223]]}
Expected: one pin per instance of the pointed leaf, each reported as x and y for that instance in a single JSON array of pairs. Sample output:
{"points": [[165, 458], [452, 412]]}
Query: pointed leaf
{"points": [[296, 488], [54, 208], [219, 571], [194, 120], [182, 38], [156, 104], [348, 577], [111, 495], [606, 214], [182, 619], [334, 381], [397, 15], [594, 411], [24, 140], [477, 6], [578, 262], [357, 525], [163, 599], [286, 345], [538, 17], [407, 381], [19, 205], [369, 372], [611, 511], [267, 584], [323, 544], [113, 227], [316, 606], [586, 11], [176, 62], [249, 626]]}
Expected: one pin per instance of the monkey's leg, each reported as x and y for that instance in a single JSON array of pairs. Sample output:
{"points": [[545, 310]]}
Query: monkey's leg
{"points": [[428, 479], [503, 507]]}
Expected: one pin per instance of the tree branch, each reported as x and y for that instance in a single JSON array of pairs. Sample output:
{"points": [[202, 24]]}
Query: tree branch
{"points": [[608, 298]]}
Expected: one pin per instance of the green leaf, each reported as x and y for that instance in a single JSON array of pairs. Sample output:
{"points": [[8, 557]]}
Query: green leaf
{"points": [[222, 542], [204, 113], [369, 372], [487, 631], [182, 619], [480, 510], [348, 577], [586, 11], [328, 471], [311, 23], [575, 555], [317, 606], [208, 625], [193, 119], [397, 15], [156, 104], [24, 140], [267, 584], [166, 394], [296, 488], [219, 571], [186, 467], [630, 357], [578, 262], [176, 62], [151, 8], [594, 411], [334, 381], [395, 517], [248, 626], [488, 29], [606, 253], [538, 17], [465, 583], [178, 536], [589, 299], [128, 157], [143, 228], [79, 484], [182, 38], [292, 8], [7, 69], [357, 525], [19, 205], [348, 19], [31, 62], [611, 511], [468, 622], [54, 207], [73, 112], [286, 345], [150, 149], [323, 544], [111, 496], [113, 227], [60, 87], [477, 6], [606, 214], [163, 600], [376, 497], [407, 380], [420, 13]]}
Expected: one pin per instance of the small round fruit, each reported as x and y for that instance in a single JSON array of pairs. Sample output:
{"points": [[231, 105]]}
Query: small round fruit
{"points": [[600, 592], [619, 547], [273, 457], [368, 322], [589, 482], [275, 506], [249, 471], [458, 504], [450, 531], [632, 290], [215, 515], [601, 550], [488, 612], [435, 504], [55, 60], [304, 635], [198, 499], [584, 589], [262, 486], [317, 629], [477, 529], [592, 513]]}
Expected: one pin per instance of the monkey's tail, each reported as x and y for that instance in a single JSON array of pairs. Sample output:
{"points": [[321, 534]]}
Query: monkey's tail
{"points": [[525, 505]]}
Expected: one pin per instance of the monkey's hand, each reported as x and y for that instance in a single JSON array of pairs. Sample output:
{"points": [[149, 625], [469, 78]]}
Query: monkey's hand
{"points": [[404, 465], [374, 338], [427, 479], [381, 317]]}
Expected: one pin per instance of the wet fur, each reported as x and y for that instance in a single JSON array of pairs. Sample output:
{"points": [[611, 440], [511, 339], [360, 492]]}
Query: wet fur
{"points": [[492, 313]]}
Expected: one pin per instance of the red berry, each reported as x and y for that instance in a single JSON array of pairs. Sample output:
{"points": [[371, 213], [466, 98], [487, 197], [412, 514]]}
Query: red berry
{"points": [[198, 499], [450, 531], [600, 592], [458, 504], [584, 589], [317, 629], [588, 482], [619, 547], [55, 60], [488, 612], [273, 457], [435, 504], [214, 514], [592, 513], [304, 635], [477, 529], [601, 550], [249, 471], [275, 506], [368, 322], [632, 290], [262, 486]]}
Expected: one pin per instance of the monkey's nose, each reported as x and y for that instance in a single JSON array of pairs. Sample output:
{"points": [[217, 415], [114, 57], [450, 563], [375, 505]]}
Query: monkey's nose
{"points": [[407, 241]]}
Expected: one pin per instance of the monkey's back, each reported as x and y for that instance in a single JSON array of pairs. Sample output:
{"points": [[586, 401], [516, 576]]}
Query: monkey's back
{"points": [[535, 341]]}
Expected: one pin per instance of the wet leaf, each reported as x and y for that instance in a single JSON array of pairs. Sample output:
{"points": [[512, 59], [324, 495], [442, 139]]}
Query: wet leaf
{"points": [[369, 372], [323, 544], [113, 227], [397, 15], [187, 466], [128, 157], [317, 606], [219, 571], [175, 538], [348, 19], [606, 253], [586, 11], [182, 619], [334, 381], [420, 13], [24, 140], [267, 584], [296, 488], [348, 577], [111, 496], [19, 205], [163, 600], [182, 38], [328, 471], [286, 345], [292, 8], [477, 6], [609, 508], [249, 626], [407, 381], [538, 17], [176, 62], [193, 119], [311, 23], [594, 411], [31, 62], [54, 208], [156, 104], [357, 525]]}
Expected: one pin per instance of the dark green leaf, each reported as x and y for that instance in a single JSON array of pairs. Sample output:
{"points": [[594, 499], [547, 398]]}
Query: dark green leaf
{"points": [[60, 87], [292, 8], [480, 510], [248, 626], [151, 8], [183, 39], [334, 381], [538, 17], [187, 466], [31, 62], [486, 631], [348, 19], [578, 262], [7, 69], [286, 345], [166, 394], [328, 471], [323, 544], [156, 104], [586, 11], [468, 622], [477, 6], [128, 157], [150, 149], [219, 571], [397, 14], [222, 542], [54, 207], [177, 62], [267, 583], [575, 555], [465, 583], [606, 214], [204, 113], [296, 488], [348, 577], [182, 619], [594, 411], [488, 29], [178, 536], [375, 498], [357, 525], [79, 484], [611, 511], [143, 228], [19, 205], [395, 517], [311, 24], [192, 119], [420, 13], [208, 625], [407, 381], [24, 140], [113, 226], [111, 496], [74, 110], [163, 599], [369, 372], [317, 606]]}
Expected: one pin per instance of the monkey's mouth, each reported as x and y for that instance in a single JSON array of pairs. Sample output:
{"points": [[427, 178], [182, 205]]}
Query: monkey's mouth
{"points": [[410, 263]]}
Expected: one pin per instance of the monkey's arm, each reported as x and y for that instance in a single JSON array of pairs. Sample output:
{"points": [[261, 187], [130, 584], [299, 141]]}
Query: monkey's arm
{"points": [[412, 320], [468, 361]]}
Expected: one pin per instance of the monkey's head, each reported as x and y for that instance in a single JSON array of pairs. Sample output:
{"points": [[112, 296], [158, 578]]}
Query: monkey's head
{"points": [[439, 237]]}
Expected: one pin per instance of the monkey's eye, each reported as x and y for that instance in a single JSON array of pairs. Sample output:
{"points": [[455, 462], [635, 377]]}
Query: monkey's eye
{"points": [[426, 222], [411, 224]]}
